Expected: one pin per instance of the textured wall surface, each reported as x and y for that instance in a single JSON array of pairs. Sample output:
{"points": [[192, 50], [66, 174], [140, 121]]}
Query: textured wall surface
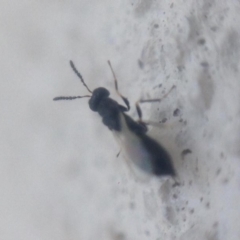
{"points": [[59, 175]]}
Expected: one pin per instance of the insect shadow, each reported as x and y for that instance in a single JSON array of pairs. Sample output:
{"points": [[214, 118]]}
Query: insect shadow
{"points": [[143, 151]]}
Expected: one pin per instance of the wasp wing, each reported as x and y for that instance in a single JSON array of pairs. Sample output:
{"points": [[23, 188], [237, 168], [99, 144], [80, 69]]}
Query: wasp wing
{"points": [[143, 151]]}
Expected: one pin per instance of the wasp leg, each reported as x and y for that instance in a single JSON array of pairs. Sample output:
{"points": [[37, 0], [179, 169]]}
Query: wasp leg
{"points": [[139, 111], [157, 99], [116, 88], [140, 121]]}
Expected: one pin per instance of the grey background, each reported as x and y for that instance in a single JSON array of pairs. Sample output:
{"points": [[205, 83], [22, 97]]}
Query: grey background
{"points": [[60, 178]]}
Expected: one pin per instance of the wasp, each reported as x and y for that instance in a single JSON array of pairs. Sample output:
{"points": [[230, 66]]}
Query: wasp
{"points": [[142, 150]]}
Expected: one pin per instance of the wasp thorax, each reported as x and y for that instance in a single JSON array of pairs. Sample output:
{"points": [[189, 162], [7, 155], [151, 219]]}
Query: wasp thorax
{"points": [[97, 95]]}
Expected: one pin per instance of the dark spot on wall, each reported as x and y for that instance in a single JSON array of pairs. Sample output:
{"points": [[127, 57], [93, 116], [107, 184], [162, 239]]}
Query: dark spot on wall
{"points": [[147, 233], [185, 152], [180, 68], [140, 64], [119, 236], [143, 6], [194, 26], [175, 196], [196, 165], [218, 171], [204, 64], [215, 224], [225, 181], [132, 205], [163, 120], [191, 211], [205, 83], [176, 183], [170, 214], [158, 86], [176, 112], [201, 41], [222, 155]]}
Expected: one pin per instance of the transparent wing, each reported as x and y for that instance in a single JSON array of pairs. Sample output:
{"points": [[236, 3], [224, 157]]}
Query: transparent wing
{"points": [[143, 152]]}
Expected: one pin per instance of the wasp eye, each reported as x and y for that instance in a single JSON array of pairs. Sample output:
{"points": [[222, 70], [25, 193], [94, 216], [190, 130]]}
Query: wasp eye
{"points": [[97, 95]]}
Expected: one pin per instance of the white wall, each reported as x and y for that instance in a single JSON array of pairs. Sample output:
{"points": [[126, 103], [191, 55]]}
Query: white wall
{"points": [[59, 176]]}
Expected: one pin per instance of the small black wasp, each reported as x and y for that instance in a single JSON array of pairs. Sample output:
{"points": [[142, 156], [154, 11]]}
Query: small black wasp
{"points": [[142, 150]]}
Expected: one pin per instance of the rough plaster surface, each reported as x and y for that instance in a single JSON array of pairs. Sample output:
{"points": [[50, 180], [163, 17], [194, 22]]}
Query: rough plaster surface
{"points": [[60, 178]]}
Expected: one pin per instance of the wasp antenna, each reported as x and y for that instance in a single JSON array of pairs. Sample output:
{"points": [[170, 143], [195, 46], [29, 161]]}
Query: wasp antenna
{"points": [[114, 76], [79, 75], [69, 98]]}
